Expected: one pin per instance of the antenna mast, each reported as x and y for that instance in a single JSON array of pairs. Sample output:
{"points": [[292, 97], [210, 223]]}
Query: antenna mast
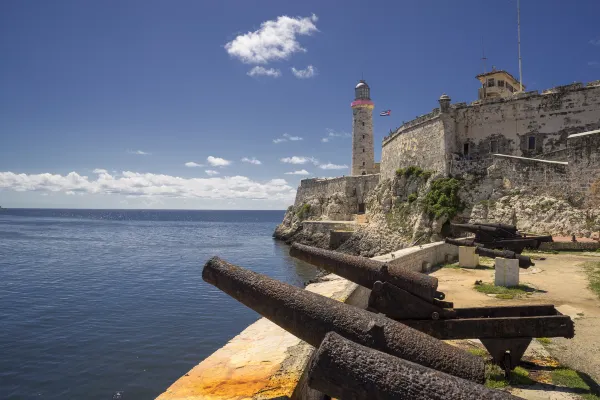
{"points": [[483, 57], [519, 40]]}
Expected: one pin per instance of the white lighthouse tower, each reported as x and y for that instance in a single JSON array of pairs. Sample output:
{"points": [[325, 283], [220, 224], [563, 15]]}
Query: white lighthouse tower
{"points": [[363, 154]]}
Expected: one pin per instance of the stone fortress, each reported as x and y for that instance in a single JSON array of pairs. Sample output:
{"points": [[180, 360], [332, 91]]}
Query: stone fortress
{"points": [[544, 147]]}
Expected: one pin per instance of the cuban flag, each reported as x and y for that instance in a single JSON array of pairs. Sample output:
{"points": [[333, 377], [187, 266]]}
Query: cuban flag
{"points": [[385, 113]]}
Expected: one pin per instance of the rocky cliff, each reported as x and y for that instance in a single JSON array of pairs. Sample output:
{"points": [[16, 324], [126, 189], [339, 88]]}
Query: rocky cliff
{"points": [[416, 206]]}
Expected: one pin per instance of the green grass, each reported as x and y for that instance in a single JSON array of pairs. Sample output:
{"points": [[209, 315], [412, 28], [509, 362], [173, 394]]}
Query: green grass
{"points": [[570, 378], [544, 340], [592, 270], [494, 377], [479, 352], [504, 292]]}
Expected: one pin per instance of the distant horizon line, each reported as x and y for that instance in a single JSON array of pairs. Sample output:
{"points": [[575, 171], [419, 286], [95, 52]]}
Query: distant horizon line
{"points": [[130, 209]]}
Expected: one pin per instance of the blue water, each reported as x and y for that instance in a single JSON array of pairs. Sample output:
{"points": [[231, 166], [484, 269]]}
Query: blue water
{"points": [[95, 302]]}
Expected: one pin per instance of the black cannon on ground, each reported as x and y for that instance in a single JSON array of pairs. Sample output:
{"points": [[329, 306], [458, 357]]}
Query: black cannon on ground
{"points": [[343, 369], [413, 299], [310, 316], [500, 236], [524, 261]]}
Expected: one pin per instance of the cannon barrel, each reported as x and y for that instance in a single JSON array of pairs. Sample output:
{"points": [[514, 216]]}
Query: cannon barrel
{"points": [[343, 369], [366, 272], [310, 316], [509, 228], [486, 230], [524, 261]]}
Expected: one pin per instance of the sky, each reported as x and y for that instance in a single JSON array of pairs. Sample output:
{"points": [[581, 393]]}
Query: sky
{"points": [[229, 104]]}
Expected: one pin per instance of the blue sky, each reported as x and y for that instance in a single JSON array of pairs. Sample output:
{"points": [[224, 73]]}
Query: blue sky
{"points": [[86, 87]]}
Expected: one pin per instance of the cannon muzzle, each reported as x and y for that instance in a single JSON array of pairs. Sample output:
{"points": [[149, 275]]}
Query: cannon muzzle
{"points": [[366, 272], [343, 369], [524, 261], [310, 316]]}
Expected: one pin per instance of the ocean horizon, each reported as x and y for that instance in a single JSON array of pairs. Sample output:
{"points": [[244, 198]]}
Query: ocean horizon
{"points": [[99, 302]]}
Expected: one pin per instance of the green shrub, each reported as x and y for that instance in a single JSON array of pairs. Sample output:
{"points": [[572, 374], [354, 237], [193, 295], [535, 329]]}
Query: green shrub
{"points": [[303, 211], [400, 172], [442, 198], [412, 197], [414, 171]]}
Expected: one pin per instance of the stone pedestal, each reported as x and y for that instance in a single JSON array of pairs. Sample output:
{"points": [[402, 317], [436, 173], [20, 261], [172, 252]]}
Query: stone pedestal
{"points": [[467, 258], [507, 272]]}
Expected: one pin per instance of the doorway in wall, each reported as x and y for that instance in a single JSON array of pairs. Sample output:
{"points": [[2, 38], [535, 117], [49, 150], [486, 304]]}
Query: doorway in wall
{"points": [[361, 208]]}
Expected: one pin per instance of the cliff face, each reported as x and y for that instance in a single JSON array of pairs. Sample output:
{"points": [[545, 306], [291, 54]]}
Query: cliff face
{"points": [[415, 207]]}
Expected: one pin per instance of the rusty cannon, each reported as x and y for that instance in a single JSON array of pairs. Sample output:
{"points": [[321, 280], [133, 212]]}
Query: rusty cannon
{"points": [[504, 331], [310, 316], [343, 369], [501, 236], [524, 261]]}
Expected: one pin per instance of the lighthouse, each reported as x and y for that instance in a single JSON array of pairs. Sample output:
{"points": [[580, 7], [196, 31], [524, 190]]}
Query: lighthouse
{"points": [[363, 153]]}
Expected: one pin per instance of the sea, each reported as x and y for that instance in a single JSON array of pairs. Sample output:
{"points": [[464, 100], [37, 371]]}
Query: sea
{"points": [[110, 304]]}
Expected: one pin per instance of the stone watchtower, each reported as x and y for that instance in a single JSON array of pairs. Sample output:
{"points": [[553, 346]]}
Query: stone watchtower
{"points": [[363, 155]]}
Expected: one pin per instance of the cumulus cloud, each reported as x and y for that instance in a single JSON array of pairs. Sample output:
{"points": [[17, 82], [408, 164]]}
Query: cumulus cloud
{"points": [[332, 166], [192, 164], [332, 133], [594, 64], [211, 172], [146, 185], [285, 137], [301, 172], [217, 161], [139, 152], [262, 71], [275, 40], [251, 161], [595, 42], [308, 72], [100, 171], [299, 160]]}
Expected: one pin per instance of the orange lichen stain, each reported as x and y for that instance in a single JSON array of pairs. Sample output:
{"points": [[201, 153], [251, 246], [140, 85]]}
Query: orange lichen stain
{"points": [[217, 382]]}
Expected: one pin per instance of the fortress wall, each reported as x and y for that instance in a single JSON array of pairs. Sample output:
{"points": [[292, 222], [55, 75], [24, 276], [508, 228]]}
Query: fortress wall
{"points": [[584, 165], [550, 117], [353, 191], [422, 145]]}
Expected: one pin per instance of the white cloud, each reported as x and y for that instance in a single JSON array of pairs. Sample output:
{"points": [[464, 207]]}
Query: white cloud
{"points": [[211, 172], [275, 40], [595, 42], [262, 71], [332, 166], [308, 72], [139, 152], [100, 171], [299, 160], [251, 160], [594, 64], [218, 162], [285, 137], [301, 172], [331, 133], [192, 164], [144, 185]]}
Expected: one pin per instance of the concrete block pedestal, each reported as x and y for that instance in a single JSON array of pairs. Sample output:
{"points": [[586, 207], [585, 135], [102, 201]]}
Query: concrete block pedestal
{"points": [[467, 258], [507, 272]]}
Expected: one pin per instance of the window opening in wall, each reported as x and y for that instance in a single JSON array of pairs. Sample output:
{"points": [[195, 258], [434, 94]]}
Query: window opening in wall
{"points": [[494, 146], [363, 136], [491, 82], [363, 124], [363, 163], [361, 207], [500, 83], [364, 173], [510, 88], [363, 150], [531, 143], [466, 149]]}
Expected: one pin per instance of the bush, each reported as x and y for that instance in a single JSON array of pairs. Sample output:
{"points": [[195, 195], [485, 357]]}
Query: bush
{"points": [[442, 198], [303, 211], [414, 171], [412, 197]]}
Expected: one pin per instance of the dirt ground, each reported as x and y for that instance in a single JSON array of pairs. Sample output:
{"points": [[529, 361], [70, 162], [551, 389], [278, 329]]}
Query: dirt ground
{"points": [[561, 281]]}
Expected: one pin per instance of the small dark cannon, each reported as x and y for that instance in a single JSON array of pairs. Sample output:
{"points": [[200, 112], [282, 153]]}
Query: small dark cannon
{"points": [[310, 316], [501, 236], [524, 261], [343, 369], [505, 331]]}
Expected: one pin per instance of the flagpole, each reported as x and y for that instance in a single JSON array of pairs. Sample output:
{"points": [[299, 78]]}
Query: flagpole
{"points": [[519, 41]]}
